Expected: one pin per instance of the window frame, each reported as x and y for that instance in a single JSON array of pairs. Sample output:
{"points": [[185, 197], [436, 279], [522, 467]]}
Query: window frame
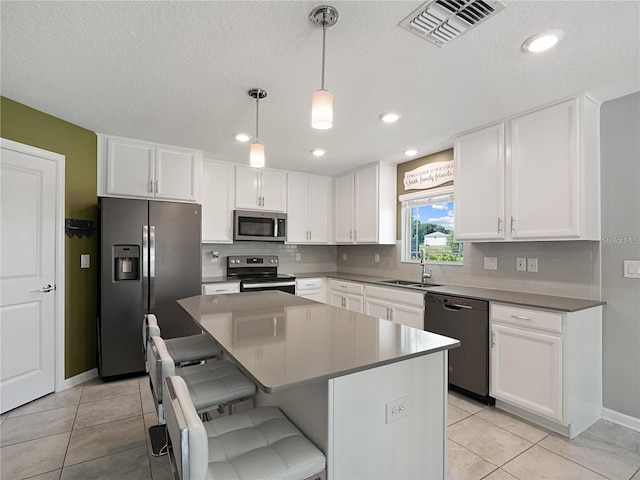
{"points": [[409, 200]]}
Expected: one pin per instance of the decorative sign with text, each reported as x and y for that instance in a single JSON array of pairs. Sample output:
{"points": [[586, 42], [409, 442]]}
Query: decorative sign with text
{"points": [[429, 175]]}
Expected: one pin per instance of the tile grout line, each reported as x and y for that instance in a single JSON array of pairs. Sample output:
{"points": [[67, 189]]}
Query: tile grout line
{"points": [[573, 461]]}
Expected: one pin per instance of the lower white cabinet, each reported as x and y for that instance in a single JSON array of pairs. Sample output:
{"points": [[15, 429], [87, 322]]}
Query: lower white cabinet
{"points": [[395, 304], [347, 295], [311, 288], [546, 365], [220, 288]]}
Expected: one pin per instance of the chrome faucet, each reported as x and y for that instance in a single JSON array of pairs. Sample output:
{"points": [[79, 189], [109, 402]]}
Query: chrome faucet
{"points": [[425, 275]]}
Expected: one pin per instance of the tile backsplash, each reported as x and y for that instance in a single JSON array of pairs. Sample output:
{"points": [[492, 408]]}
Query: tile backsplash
{"points": [[312, 258], [564, 268]]}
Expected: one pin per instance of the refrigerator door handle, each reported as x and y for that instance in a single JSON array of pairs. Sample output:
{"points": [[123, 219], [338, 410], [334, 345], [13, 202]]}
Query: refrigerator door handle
{"points": [[152, 266], [145, 267]]}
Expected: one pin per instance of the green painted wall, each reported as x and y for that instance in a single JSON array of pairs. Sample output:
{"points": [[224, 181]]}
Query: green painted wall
{"points": [[79, 146]]}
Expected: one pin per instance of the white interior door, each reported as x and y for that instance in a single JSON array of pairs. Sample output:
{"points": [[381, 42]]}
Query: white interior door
{"points": [[27, 275]]}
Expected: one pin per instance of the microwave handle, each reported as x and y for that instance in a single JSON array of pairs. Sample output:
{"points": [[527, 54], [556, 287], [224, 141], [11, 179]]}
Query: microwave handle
{"points": [[275, 227]]}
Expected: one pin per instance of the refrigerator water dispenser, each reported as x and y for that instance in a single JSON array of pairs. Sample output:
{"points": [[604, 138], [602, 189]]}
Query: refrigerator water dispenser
{"points": [[126, 262]]}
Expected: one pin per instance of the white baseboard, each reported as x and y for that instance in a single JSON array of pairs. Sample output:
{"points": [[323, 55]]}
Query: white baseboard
{"points": [[78, 379], [621, 419]]}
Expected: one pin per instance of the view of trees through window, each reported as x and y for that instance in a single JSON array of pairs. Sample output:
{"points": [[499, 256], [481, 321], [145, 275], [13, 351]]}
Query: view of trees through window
{"points": [[432, 233]]}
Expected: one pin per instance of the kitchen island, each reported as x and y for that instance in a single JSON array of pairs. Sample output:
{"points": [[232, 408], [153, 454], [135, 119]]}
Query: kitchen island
{"points": [[370, 393]]}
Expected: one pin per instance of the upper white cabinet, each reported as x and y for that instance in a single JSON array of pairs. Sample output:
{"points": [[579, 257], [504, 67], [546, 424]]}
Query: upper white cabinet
{"points": [[217, 194], [534, 177], [133, 168], [365, 205], [308, 208], [261, 189]]}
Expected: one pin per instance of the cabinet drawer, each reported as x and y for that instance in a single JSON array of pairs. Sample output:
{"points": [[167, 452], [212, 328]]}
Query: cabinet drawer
{"points": [[310, 283], [346, 287], [395, 295], [526, 317], [220, 288]]}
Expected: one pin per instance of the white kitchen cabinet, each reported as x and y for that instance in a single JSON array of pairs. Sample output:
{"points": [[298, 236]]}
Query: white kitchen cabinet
{"points": [[137, 169], [261, 189], [546, 366], [479, 184], [395, 304], [308, 208], [349, 295], [217, 195], [365, 205], [535, 176], [220, 288], [311, 288]]}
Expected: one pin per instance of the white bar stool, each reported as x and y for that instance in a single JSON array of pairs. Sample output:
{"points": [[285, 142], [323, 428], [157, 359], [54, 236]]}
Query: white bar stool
{"points": [[211, 385], [258, 444], [184, 350]]}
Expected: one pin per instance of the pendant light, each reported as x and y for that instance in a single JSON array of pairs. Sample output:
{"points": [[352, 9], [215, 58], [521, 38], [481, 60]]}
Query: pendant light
{"points": [[256, 153], [323, 16]]}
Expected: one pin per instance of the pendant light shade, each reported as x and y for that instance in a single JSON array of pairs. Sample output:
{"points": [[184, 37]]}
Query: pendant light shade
{"points": [[322, 101], [322, 109], [256, 155], [256, 152]]}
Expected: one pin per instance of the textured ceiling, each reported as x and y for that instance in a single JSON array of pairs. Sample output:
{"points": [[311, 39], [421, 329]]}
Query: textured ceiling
{"points": [[178, 72]]}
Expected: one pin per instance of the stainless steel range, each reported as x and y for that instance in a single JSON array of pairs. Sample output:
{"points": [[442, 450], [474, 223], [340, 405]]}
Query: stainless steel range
{"points": [[258, 273]]}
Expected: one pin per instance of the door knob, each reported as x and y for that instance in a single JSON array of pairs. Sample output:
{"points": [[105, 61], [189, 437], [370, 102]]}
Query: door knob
{"points": [[47, 288]]}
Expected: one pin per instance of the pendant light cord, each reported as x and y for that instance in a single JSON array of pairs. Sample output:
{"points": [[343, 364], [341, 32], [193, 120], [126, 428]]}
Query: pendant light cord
{"points": [[257, 102], [324, 38]]}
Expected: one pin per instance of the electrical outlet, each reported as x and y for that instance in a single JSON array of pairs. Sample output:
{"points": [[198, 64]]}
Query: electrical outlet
{"points": [[298, 256], [344, 256], [532, 264], [397, 409], [521, 264], [377, 258], [215, 256]]}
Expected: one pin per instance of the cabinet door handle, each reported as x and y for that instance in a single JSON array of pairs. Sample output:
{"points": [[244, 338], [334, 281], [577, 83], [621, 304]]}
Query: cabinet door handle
{"points": [[355, 235], [513, 224], [499, 225], [350, 234], [493, 338], [520, 317], [151, 186]]}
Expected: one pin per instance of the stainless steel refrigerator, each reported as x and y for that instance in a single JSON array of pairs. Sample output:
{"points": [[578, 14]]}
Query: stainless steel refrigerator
{"points": [[149, 258]]}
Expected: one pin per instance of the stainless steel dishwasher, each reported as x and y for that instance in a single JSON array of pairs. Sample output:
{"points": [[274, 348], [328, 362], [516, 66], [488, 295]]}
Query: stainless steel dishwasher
{"points": [[468, 321]]}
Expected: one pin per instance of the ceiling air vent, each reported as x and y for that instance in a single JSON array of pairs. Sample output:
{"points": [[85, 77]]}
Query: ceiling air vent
{"points": [[441, 21]]}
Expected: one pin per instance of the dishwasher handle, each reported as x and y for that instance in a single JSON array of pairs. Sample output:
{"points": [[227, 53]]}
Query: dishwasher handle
{"points": [[456, 308]]}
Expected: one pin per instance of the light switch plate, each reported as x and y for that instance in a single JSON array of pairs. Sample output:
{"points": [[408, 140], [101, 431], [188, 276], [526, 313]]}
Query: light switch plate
{"points": [[631, 269], [490, 263], [85, 260], [377, 258], [532, 264], [298, 257]]}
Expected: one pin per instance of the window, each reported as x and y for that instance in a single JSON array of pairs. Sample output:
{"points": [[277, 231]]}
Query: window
{"points": [[427, 227]]}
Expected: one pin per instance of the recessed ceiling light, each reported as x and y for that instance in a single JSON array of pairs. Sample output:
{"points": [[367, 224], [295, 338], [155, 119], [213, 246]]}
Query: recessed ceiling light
{"points": [[242, 137], [318, 152], [542, 41], [390, 117], [410, 152]]}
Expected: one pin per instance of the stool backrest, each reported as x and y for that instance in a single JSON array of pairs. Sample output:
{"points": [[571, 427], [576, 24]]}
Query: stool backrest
{"points": [[150, 328], [187, 437], [160, 365]]}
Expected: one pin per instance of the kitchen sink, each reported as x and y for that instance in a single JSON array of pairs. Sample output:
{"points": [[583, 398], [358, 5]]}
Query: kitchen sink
{"points": [[408, 283], [398, 282]]}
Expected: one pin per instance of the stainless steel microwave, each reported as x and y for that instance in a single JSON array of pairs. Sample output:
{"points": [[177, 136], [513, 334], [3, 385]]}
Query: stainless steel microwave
{"points": [[259, 226]]}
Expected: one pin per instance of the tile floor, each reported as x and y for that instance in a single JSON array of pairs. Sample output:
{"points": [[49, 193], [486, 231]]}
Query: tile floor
{"points": [[85, 433]]}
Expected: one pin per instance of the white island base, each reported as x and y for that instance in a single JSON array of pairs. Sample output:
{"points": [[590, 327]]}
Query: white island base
{"points": [[346, 417]]}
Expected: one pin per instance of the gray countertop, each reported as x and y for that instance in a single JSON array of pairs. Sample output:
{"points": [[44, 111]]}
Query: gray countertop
{"points": [[550, 302], [282, 341]]}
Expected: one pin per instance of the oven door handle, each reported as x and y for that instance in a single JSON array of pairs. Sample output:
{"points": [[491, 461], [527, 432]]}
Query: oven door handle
{"points": [[269, 284]]}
